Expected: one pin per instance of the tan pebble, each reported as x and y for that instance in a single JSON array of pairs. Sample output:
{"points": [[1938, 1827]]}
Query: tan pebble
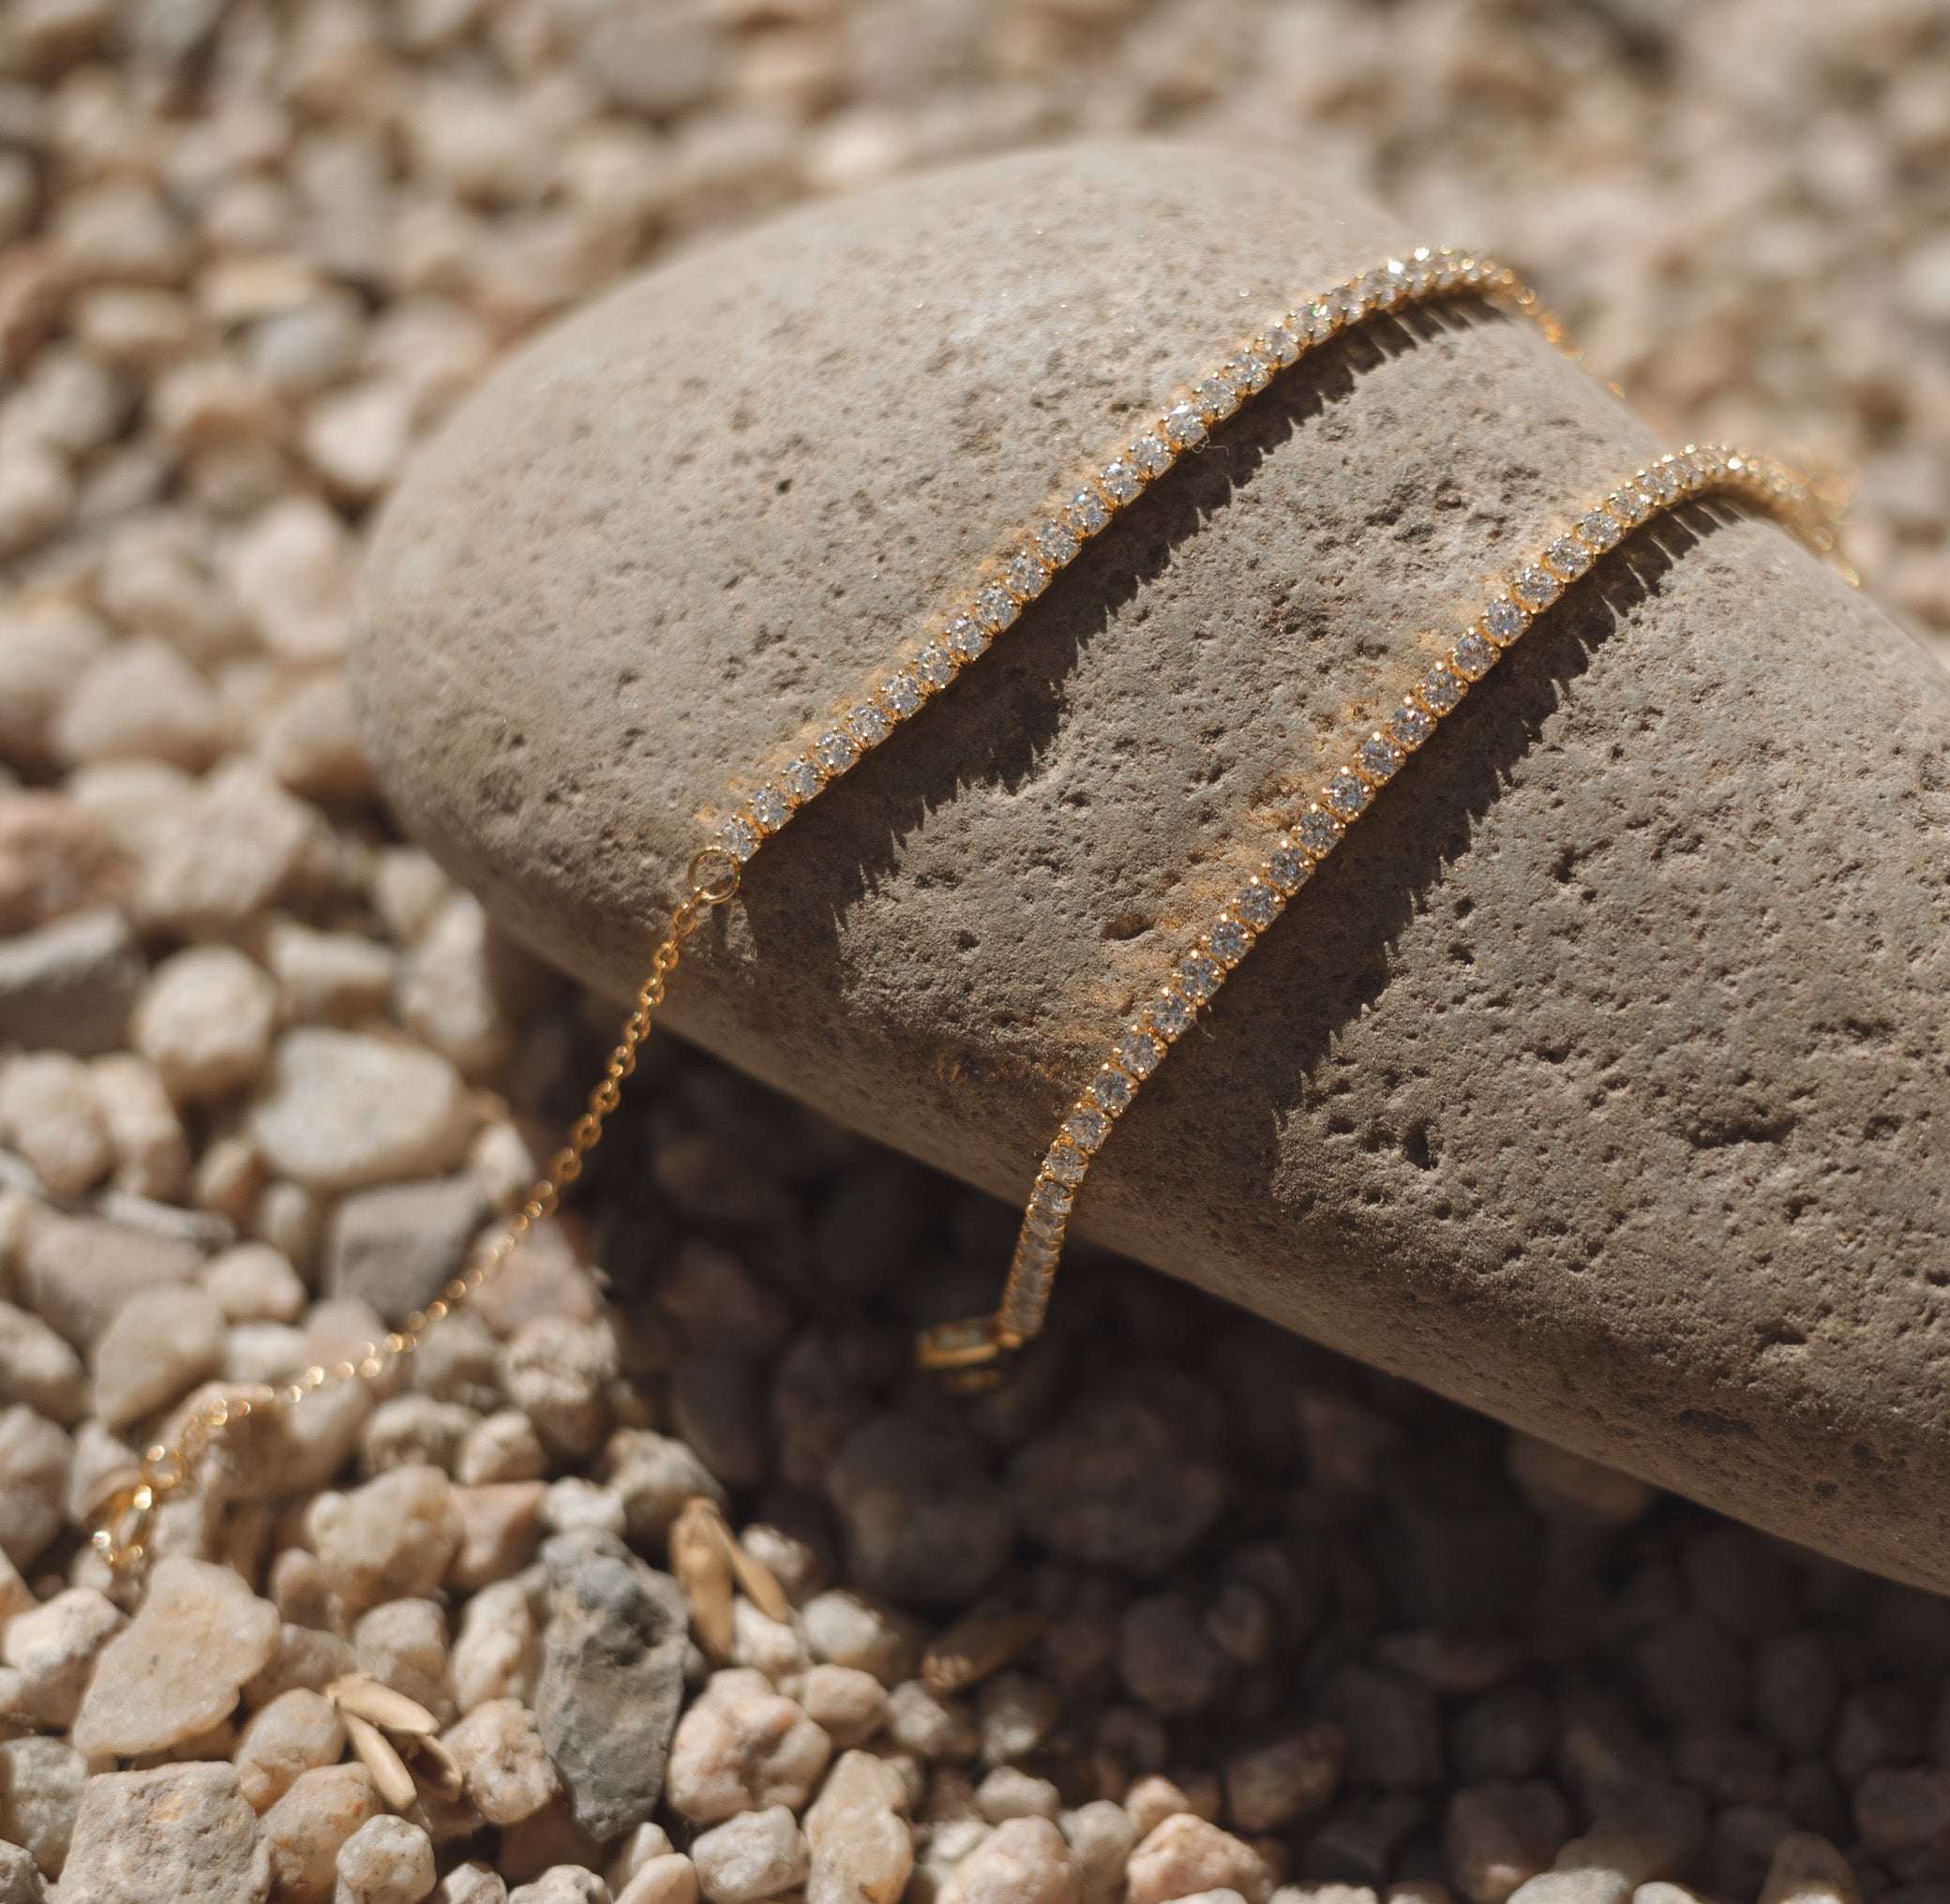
{"points": [[501, 1447], [306, 1827], [357, 438], [1024, 1860], [121, 232], [311, 745], [557, 1370], [33, 1460], [45, 647], [1186, 1853], [862, 1844], [401, 1645], [240, 846], [414, 1428], [37, 493], [140, 700], [53, 858], [453, 982], [254, 1282], [135, 328], [38, 1368], [205, 1021], [849, 1705], [1563, 1486], [329, 978], [294, 1733], [198, 1636], [1806, 1869], [161, 1343], [754, 1855], [394, 1536], [741, 1745], [291, 570], [54, 1647], [50, 1114], [509, 1776], [387, 1860], [497, 1652], [151, 1149], [669, 1879]]}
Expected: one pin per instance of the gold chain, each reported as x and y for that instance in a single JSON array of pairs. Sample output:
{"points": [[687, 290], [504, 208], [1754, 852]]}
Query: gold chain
{"points": [[124, 1517]]}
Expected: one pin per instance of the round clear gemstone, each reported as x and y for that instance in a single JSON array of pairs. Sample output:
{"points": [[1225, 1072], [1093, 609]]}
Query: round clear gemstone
{"points": [[802, 780], [1150, 454], [1473, 657], [1111, 1092], [1599, 529], [1065, 1164], [1087, 512], [1630, 503], [1568, 557], [869, 724], [1354, 301], [1536, 588], [770, 809], [1137, 1052], [1659, 481], [934, 667], [1319, 831], [1321, 318], [1228, 942], [1199, 976], [1347, 793], [1183, 427], [1248, 373], [994, 607], [1411, 724], [1055, 544], [834, 751], [1053, 1194], [1258, 905], [1120, 481], [1504, 620], [1086, 1127], [1024, 578], [903, 695], [1377, 758], [1167, 1013], [1214, 398], [1280, 344], [1287, 869], [966, 639], [739, 837], [1440, 690], [1390, 284]]}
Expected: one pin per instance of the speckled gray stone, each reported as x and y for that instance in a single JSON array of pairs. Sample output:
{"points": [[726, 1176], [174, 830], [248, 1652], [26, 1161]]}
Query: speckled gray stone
{"points": [[1600, 1080]]}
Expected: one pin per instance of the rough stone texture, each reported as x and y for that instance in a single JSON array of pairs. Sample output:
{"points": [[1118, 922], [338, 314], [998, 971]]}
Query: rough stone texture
{"points": [[179, 1668], [180, 1831], [611, 1678], [1593, 1084]]}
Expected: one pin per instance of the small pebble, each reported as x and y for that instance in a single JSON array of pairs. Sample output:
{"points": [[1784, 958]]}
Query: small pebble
{"points": [[754, 1855], [205, 1021], [387, 1860], [741, 1746]]}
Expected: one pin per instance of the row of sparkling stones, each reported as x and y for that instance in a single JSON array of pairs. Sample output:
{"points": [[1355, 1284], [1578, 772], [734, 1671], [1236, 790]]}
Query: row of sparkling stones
{"points": [[1168, 1013], [1025, 570]]}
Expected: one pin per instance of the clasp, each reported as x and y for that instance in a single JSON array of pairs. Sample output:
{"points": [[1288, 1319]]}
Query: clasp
{"points": [[966, 1356]]}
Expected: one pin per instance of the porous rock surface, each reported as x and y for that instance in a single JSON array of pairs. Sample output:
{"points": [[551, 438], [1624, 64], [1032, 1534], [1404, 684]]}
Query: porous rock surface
{"points": [[1598, 1082]]}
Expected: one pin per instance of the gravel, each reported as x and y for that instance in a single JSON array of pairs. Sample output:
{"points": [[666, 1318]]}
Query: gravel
{"points": [[1274, 1626]]}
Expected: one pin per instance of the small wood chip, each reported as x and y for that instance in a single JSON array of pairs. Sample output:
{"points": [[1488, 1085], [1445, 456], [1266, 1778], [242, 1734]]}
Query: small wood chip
{"points": [[436, 1768], [984, 1639], [359, 1697], [761, 1585], [700, 1559], [390, 1777]]}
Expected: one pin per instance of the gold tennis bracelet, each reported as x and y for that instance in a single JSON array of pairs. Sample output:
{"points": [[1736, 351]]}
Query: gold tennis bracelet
{"points": [[967, 1352]]}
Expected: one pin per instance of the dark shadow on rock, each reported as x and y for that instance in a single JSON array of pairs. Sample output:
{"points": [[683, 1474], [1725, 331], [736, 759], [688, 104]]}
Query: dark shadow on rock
{"points": [[1006, 711]]}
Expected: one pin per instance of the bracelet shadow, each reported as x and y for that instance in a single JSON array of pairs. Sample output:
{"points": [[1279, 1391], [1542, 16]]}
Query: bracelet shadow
{"points": [[1005, 714]]}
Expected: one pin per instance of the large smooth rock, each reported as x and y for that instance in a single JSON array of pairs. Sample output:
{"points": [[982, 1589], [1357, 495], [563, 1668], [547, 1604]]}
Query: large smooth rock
{"points": [[1600, 1082]]}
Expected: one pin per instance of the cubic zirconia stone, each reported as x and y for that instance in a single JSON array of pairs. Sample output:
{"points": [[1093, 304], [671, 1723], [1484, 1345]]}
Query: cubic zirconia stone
{"points": [[934, 667], [1065, 1164], [1504, 620], [868, 724], [1110, 1091], [1472, 656], [1377, 758], [1280, 343], [1183, 427], [1150, 454], [1167, 1013], [1199, 976], [1050, 1194], [1086, 1127], [903, 695], [1410, 724], [834, 751], [1055, 544], [1630, 503], [1137, 1052], [1258, 905], [1043, 1226], [1024, 578], [1353, 302], [1287, 869], [1392, 284], [1228, 942], [802, 780], [994, 607], [1599, 531], [1120, 481], [1471, 268], [966, 639], [1248, 373], [1536, 588], [1215, 399], [1567, 557], [1319, 831], [1347, 793], [770, 809], [1321, 318], [739, 837], [1712, 462], [1087, 512], [1440, 690], [1659, 480]]}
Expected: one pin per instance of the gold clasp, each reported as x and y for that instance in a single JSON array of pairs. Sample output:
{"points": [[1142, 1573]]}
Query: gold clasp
{"points": [[966, 1356]]}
